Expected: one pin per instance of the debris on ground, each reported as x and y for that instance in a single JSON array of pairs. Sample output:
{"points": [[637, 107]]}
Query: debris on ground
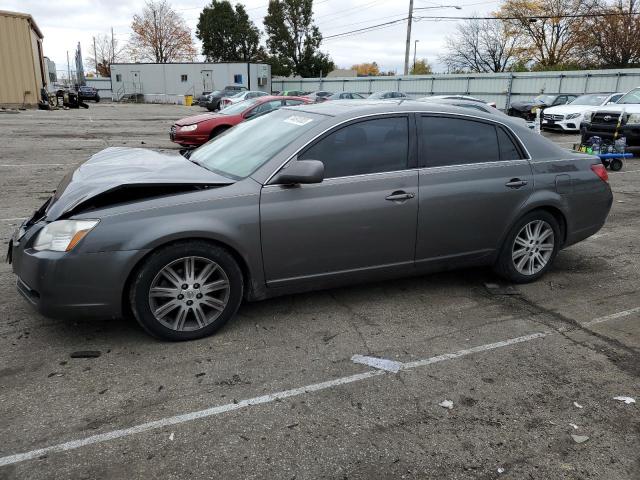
{"points": [[86, 354], [495, 289], [577, 405], [171, 437], [500, 470], [575, 427], [446, 404], [579, 438], [627, 400]]}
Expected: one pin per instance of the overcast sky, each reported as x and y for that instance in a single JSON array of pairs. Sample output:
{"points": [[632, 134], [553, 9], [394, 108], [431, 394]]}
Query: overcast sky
{"points": [[64, 23]]}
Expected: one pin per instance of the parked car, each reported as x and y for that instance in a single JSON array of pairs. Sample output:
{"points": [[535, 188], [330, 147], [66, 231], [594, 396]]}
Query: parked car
{"points": [[603, 121], [182, 241], [239, 97], [527, 109], [292, 93], [387, 95], [319, 96], [568, 118], [345, 96], [459, 97], [212, 102], [198, 129], [201, 100], [88, 93]]}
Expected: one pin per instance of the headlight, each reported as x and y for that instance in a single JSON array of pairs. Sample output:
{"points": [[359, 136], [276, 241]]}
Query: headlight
{"points": [[63, 235], [189, 128], [633, 119], [572, 115], [588, 116]]}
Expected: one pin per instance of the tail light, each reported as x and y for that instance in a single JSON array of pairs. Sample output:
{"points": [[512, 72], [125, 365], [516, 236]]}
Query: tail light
{"points": [[600, 170]]}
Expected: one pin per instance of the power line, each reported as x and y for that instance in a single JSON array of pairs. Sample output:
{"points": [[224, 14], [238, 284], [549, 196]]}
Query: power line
{"points": [[364, 29], [532, 18]]}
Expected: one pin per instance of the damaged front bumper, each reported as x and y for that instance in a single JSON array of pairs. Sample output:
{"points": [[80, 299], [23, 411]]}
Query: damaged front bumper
{"points": [[71, 284]]}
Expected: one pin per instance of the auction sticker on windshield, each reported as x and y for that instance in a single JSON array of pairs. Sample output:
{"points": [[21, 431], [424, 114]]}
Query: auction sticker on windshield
{"points": [[298, 120]]}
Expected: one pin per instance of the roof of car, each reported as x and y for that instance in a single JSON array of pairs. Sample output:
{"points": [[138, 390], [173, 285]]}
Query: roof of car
{"points": [[372, 106]]}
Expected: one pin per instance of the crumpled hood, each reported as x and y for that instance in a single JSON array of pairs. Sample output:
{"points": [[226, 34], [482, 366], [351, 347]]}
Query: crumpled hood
{"points": [[523, 106], [118, 167]]}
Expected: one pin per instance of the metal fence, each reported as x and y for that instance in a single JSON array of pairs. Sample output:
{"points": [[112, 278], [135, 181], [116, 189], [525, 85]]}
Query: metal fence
{"points": [[502, 88]]}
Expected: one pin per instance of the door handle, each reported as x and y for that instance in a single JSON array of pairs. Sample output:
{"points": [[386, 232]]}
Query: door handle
{"points": [[400, 196], [516, 183]]}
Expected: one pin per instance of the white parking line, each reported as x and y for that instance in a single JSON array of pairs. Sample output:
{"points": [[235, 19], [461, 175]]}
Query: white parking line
{"points": [[625, 171], [316, 387], [34, 164], [12, 219]]}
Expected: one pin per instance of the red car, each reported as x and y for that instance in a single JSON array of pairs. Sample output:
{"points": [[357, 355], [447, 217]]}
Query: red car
{"points": [[198, 129]]}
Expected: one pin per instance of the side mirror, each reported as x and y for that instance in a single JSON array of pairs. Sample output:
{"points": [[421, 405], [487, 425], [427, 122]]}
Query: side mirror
{"points": [[300, 172]]}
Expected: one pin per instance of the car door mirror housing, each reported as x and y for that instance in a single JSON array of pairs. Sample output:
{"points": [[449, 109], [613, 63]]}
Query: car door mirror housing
{"points": [[301, 172]]}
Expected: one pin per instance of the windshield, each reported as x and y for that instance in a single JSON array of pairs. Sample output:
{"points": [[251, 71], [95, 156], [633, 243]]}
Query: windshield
{"points": [[237, 95], [593, 100], [247, 146], [215, 93], [632, 97], [378, 95], [548, 99], [239, 107]]}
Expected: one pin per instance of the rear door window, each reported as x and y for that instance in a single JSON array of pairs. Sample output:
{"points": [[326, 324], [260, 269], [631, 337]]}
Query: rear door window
{"points": [[445, 141], [508, 148], [370, 146]]}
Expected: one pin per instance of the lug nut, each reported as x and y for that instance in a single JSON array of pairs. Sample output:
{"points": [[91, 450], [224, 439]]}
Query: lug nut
{"points": [[199, 295], [180, 297], [189, 302], [196, 285], [185, 286]]}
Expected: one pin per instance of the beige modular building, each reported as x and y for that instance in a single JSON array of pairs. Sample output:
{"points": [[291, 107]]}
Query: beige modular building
{"points": [[22, 72]]}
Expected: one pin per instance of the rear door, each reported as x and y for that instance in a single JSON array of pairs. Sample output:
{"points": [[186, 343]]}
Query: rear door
{"points": [[360, 220], [474, 178]]}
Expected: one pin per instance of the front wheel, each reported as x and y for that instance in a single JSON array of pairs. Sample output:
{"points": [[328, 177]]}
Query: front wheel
{"points": [[530, 248], [186, 291]]}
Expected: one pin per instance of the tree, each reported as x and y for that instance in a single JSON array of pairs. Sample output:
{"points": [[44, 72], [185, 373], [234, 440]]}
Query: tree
{"points": [[482, 46], [366, 69], [293, 39], [614, 40], [421, 67], [160, 35], [227, 35], [553, 40], [105, 53]]}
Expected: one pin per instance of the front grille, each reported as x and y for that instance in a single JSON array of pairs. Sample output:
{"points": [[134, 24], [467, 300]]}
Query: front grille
{"points": [[607, 118], [548, 116]]}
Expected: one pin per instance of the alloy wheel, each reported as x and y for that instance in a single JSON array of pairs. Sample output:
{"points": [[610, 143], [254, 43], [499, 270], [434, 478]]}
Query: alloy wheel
{"points": [[189, 293], [533, 247]]}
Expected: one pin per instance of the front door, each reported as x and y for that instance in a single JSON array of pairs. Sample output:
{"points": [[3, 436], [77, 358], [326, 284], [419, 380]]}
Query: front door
{"points": [[207, 83], [361, 218], [473, 182]]}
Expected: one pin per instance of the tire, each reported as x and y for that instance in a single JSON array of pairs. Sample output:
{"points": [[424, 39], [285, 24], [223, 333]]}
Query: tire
{"points": [[97, 99], [517, 250], [167, 310], [217, 131], [615, 164]]}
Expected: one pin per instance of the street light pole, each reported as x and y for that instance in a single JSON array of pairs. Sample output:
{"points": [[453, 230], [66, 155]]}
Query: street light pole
{"points": [[415, 48], [409, 21], [408, 46]]}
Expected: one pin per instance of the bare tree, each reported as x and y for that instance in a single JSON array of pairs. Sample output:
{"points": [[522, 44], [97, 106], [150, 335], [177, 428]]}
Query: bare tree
{"points": [[550, 36], [613, 40], [482, 46], [104, 54], [160, 35]]}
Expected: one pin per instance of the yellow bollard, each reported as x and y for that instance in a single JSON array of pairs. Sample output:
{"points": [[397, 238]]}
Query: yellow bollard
{"points": [[188, 100]]}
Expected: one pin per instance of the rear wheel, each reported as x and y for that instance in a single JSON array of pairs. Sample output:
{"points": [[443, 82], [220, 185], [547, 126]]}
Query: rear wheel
{"points": [[615, 164], [530, 248], [186, 291]]}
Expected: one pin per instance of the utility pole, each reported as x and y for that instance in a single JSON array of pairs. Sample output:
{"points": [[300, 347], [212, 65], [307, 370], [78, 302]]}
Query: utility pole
{"points": [[95, 55], [113, 50], [415, 48], [68, 70], [408, 47]]}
